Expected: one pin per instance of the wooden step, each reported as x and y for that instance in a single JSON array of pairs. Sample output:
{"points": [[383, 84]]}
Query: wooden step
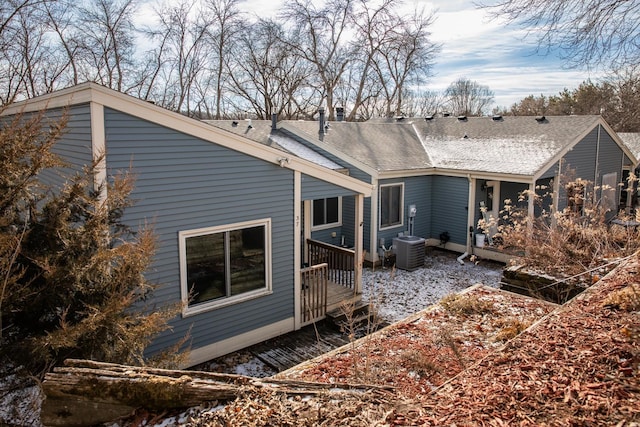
{"points": [[339, 313]]}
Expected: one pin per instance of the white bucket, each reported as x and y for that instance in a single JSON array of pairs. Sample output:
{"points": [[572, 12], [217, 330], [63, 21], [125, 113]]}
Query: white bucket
{"points": [[480, 240]]}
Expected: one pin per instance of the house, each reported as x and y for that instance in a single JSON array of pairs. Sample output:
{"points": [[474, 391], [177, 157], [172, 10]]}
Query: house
{"points": [[435, 176], [632, 141], [227, 213]]}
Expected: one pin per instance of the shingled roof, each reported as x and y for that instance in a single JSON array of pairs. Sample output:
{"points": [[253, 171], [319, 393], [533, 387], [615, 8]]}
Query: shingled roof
{"points": [[380, 146], [520, 145], [632, 141], [261, 131], [513, 145]]}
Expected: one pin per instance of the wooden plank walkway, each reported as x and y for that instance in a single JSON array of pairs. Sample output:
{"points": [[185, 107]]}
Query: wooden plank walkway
{"points": [[286, 351]]}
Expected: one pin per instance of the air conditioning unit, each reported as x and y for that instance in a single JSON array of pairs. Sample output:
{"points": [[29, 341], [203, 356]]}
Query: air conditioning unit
{"points": [[409, 252]]}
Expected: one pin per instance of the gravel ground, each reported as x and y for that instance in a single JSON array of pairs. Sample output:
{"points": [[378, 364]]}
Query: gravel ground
{"points": [[395, 294]]}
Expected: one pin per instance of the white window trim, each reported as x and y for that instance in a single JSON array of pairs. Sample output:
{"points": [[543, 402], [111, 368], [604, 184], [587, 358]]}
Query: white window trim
{"points": [[401, 224], [333, 224], [236, 299]]}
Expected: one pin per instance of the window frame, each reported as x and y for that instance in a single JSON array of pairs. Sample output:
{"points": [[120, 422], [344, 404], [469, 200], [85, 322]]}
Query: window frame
{"points": [[382, 226], [231, 299], [327, 225]]}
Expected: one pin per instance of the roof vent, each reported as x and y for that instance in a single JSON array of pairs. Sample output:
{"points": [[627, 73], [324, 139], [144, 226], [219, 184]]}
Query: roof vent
{"points": [[399, 118], [234, 123], [428, 118], [446, 114], [497, 117], [462, 118], [541, 119], [465, 136]]}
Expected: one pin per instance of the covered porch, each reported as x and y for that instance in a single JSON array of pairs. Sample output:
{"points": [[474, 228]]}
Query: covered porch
{"points": [[329, 283], [487, 196]]}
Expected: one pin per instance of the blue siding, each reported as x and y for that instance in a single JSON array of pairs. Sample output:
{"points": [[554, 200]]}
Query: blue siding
{"points": [[450, 196], [417, 191], [314, 188], [610, 159], [184, 183], [596, 155], [74, 147], [582, 158]]}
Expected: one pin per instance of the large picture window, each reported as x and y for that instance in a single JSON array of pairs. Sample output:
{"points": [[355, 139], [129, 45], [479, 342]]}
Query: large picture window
{"points": [[391, 205], [223, 265], [327, 213]]}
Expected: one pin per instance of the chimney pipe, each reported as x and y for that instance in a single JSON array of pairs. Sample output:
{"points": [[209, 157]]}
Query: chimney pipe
{"points": [[339, 114], [321, 120], [274, 121]]}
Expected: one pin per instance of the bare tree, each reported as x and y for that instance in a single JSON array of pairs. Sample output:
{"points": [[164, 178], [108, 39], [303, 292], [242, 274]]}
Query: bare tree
{"points": [[181, 55], [406, 58], [21, 49], [107, 41], [422, 104], [589, 32], [227, 19], [374, 27], [321, 40], [469, 98], [267, 77], [61, 16]]}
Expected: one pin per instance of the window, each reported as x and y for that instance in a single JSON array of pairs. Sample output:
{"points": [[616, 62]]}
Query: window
{"points": [[326, 213], [391, 205], [224, 265]]}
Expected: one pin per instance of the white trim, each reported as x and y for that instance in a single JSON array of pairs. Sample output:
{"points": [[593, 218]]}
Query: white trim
{"points": [[471, 214], [359, 224], [92, 92], [98, 148], [496, 202], [237, 342], [401, 224], [297, 248], [224, 301], [331, 225], [373, 225]]}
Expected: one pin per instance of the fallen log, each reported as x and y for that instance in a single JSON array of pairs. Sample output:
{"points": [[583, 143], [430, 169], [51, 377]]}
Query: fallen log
{"points": [[84, 392]]}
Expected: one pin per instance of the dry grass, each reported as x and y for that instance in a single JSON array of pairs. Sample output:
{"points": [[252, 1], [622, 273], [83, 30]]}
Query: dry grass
{"points": [[466, 304]]}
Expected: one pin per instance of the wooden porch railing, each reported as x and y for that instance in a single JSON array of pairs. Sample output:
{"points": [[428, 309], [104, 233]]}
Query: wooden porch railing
{"points": [[340, 261], [314, 293]]}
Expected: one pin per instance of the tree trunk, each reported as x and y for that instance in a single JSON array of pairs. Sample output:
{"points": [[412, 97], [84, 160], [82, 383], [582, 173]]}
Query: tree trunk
{"points": [[84, 392]]}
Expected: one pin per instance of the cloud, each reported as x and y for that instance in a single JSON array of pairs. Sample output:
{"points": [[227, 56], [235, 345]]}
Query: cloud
{"points": [[495, 55]]}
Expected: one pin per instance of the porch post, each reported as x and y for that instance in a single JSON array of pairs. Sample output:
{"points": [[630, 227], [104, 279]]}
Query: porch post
{"points": [[297, 231], [359, 221], [373, 223], [471, 214]]}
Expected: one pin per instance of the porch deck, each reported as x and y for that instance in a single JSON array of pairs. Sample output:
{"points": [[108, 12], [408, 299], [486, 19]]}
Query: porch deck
{"points": [[338, 296]]}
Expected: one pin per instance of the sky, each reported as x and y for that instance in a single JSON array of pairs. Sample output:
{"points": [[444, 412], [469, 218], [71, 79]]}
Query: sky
{"points": [[493, 54], [473, 47], [489, 52]]}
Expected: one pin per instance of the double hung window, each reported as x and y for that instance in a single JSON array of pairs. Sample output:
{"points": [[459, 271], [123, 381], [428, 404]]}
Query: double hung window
{"points": [[326, 213], [391, 205]]}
